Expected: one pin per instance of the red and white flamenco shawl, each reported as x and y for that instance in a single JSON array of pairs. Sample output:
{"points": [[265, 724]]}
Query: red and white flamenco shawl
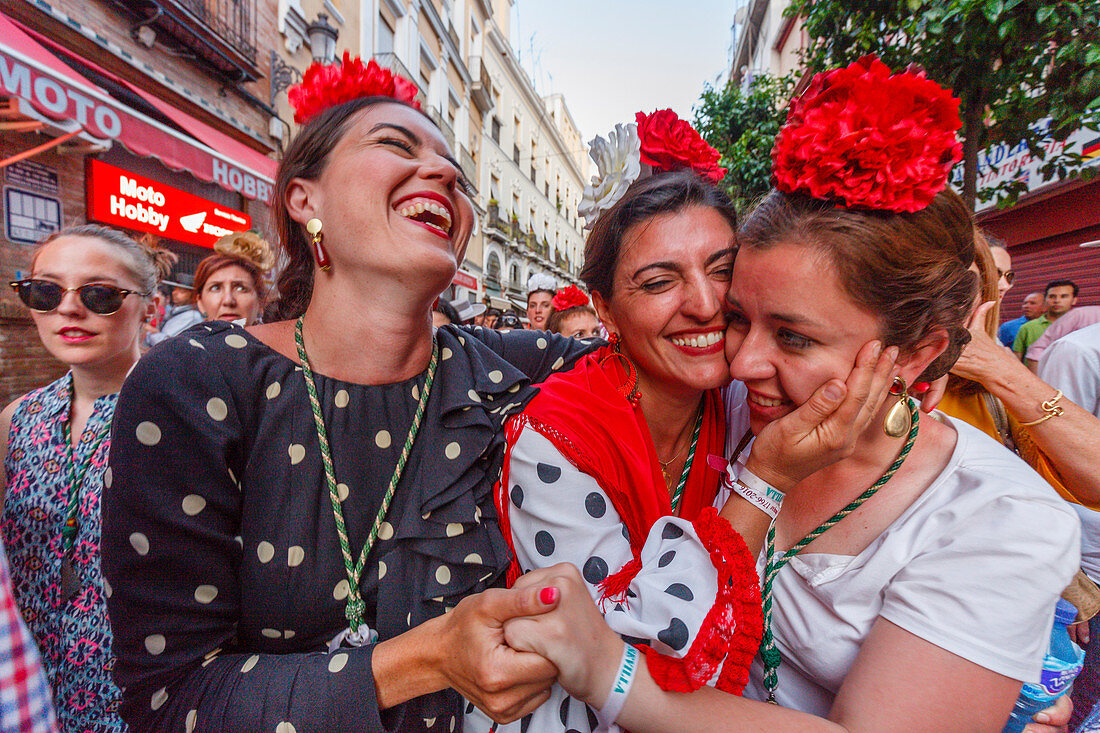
{"points": [[585, 416]]}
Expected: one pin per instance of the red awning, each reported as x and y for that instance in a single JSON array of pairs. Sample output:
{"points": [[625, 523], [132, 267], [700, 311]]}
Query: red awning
{"points": [[30, 72]]}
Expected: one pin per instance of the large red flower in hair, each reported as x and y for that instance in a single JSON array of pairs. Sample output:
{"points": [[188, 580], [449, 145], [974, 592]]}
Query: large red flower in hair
{"points": [[869, 138], [669, 143], [568, 297], [325, 86]]}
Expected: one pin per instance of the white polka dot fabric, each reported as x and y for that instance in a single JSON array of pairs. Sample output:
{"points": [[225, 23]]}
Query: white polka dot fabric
{"points": [[558, 514]]}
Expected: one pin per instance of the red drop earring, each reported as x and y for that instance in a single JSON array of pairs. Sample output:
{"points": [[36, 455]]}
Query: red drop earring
{"points": [[313, 226]]}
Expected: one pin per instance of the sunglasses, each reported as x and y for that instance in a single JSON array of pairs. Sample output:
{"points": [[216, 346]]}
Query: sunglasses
{"points": [[43, 296], [1008, 275]]}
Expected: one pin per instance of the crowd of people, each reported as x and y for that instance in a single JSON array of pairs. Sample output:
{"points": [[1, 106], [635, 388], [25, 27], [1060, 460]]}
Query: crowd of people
{"points": [[784, 455]]}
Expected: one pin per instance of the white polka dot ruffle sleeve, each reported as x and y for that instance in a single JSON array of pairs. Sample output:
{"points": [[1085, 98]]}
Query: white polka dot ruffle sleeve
{"points": [[559, 514]]}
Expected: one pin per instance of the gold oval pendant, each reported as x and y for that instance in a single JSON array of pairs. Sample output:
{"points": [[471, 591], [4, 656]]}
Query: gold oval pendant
{"points": [[897, 422]]}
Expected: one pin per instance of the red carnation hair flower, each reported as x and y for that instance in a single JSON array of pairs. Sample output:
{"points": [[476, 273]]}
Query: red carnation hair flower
{"points": [[669, 143], [869, 138], [568, 297], [327, 86]]}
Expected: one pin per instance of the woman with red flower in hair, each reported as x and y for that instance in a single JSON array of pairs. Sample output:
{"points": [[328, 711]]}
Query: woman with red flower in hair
{"points": [[610, 470], [572, 316], [911, 585]]}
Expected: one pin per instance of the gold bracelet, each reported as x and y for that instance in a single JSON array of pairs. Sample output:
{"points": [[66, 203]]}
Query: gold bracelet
{"points": [[1050, 408]]}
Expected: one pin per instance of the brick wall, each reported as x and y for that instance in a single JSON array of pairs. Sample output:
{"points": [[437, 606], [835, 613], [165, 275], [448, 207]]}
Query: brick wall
{"points": [[24, 363]]}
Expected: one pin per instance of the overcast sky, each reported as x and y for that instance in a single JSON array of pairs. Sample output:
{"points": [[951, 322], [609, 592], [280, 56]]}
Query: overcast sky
{"points": [[612, 58]]}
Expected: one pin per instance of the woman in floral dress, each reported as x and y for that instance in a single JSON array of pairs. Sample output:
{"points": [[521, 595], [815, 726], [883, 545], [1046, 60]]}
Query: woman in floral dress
{"points": [[88, 296]]}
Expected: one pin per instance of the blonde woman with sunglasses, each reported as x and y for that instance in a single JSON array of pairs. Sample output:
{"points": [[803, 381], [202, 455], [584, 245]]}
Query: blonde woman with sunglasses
{"points": [[88, 295]]}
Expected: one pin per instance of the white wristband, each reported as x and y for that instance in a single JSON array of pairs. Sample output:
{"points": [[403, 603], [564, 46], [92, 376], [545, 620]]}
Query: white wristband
{"points": [[620, 688], [754, 490]]}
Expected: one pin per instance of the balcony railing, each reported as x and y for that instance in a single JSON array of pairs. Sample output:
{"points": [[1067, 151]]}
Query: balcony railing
{"points": [[469, 167], [481, 90], [444, 126], [390, 61], [220, 32], [494, 218]]}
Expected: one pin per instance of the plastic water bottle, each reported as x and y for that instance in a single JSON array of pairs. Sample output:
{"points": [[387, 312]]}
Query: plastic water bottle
{"points": [[1062, 664]]}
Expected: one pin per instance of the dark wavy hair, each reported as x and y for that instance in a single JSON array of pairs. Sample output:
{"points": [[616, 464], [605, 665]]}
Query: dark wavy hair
{"points": [[908, 269]]}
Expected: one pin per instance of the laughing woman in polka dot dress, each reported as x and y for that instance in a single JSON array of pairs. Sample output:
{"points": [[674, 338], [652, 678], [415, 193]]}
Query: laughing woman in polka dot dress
{"points": [[89, 296], [301, 521]]}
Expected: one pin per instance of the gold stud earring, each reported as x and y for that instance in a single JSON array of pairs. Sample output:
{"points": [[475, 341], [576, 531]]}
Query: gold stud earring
{"points": [[898, 420]]}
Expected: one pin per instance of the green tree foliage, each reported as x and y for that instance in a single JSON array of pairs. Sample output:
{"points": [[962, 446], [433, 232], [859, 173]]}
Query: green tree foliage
{"points": [[742, 126], [1012, 63]]}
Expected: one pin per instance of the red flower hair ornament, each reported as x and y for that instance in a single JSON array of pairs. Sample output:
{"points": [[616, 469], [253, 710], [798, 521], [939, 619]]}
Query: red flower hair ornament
{"points": [[669, 143], [568, 297], [325, 86], [869, 138]]}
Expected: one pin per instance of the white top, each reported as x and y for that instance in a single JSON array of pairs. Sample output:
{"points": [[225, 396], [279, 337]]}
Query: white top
{"points": [[1072, 364], [559, 514], [974, 566]]}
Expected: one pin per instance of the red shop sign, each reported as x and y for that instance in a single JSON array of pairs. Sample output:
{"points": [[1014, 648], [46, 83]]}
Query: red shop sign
{"points": [[466, 280], [125, 199]]}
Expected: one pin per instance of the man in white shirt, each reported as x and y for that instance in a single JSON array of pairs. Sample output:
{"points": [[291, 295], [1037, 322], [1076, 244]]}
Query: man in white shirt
{"points": [[1072, 364]]}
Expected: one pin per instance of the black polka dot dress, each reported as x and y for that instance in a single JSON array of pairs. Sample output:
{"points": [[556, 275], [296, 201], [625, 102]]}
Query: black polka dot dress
{"points": [[557, 514], [220, 547]]}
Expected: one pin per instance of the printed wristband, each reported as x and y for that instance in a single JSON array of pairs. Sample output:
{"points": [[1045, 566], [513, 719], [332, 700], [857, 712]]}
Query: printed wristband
{"points": [[758, 492], [624, 679]]}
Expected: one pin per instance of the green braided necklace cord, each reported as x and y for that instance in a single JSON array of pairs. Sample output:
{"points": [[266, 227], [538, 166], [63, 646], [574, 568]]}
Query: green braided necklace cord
{"points": [[679, 493], [769, 653], [355, 606]]}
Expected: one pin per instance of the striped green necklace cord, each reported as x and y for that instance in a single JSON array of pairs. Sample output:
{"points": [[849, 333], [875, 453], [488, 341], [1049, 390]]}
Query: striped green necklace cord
{"points": [[355, 606], [679, 493], [769, 653], [76, 478]]}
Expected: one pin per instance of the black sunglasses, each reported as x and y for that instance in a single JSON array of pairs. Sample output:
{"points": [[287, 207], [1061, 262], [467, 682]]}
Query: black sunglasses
{"points": [[44, 296]]}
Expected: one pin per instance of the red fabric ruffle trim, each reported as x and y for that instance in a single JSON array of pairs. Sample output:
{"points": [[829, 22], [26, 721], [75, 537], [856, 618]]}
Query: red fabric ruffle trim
{"points": [[734, 625]]}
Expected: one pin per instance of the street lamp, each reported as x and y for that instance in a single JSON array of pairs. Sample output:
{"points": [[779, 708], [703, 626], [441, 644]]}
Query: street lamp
{"points": [[322, 40]]}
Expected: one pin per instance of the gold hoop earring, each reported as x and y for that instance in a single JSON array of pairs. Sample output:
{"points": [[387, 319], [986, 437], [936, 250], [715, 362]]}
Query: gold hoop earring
{"points": [[897, 422], [317, 237], [628, 389]]}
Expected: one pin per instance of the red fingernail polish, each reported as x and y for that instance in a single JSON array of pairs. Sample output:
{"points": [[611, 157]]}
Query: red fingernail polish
{"points": [[921, 386], [548, 595]]}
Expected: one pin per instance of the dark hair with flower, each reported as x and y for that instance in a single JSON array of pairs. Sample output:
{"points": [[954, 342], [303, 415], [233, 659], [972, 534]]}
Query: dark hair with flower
{"points": [[568, 297], [869, 138], [669, 144], [661, 141], [325, 86], [568, 302], [327, 102]]}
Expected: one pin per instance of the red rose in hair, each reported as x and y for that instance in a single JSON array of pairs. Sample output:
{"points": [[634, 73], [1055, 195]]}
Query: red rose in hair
{"points": [[568, 297], [327, 86], [869, 138], [669, 143]]}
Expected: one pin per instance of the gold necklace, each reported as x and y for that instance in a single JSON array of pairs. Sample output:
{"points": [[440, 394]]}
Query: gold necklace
{"points": [[665, 466]]}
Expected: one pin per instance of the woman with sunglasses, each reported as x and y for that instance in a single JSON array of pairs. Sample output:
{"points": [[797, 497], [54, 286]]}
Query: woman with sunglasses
{"points": [[89, 295]]}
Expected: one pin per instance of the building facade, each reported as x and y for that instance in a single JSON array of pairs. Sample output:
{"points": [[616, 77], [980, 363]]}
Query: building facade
{"points": [[147, 115]]}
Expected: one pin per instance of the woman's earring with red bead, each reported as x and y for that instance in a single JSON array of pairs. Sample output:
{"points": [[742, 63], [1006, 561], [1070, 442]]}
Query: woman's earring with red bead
{"points": [[313, 226]]}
